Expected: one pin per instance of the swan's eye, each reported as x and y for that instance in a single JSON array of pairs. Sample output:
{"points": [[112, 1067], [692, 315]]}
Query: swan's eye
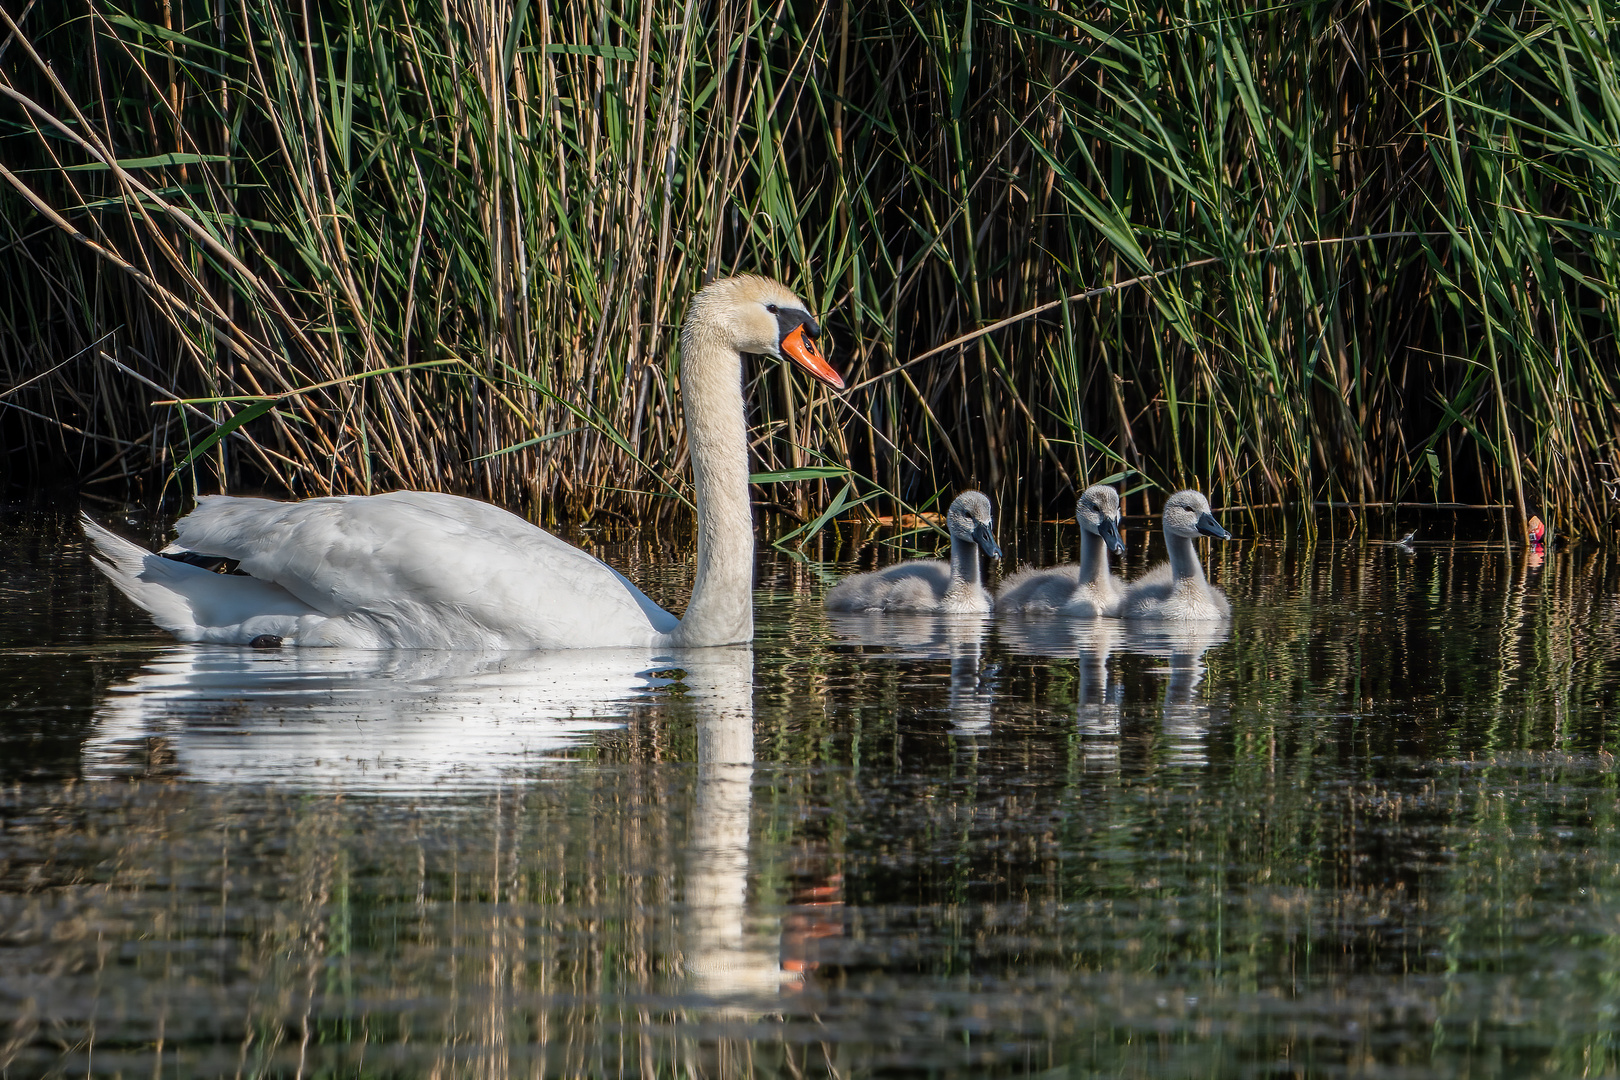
{"points": [[772, 308]]}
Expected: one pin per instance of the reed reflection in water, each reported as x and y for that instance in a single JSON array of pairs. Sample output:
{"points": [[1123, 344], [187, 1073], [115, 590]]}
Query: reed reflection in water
{"points": [[1374, 828]]}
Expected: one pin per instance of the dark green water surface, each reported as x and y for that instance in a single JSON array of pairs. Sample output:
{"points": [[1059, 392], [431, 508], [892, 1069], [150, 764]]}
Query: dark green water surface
{"points": [[1368, 829]]}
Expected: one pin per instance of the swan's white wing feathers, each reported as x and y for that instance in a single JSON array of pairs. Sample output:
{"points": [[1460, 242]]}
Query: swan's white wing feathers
{"points": [[428, 570]]}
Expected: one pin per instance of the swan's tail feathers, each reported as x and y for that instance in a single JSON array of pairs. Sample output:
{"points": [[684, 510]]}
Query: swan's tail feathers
{"points": [[129, 566], [191, 602]]}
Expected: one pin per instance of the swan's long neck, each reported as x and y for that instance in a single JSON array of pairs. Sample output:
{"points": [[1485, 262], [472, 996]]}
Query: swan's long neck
{"points": [[1093, 557], [721, 611], [1184, 564], [964, 564]]}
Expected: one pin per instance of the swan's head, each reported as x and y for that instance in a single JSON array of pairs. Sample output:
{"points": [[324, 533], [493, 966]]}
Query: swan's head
{"points": [[1098, 513], [757, 315], [969, 519], [1187, 514]]}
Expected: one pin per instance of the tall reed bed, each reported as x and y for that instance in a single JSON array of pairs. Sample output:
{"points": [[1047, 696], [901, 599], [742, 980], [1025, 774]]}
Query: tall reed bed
{"points": [[422, 244], [1292, 253]]}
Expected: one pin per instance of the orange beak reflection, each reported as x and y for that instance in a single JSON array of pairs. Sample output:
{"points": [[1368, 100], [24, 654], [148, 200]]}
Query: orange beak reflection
{"points": [[804, 352]]}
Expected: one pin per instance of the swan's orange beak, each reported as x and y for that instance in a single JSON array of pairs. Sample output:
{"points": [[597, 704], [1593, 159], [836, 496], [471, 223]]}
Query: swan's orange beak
{"points": [[804, 352]]}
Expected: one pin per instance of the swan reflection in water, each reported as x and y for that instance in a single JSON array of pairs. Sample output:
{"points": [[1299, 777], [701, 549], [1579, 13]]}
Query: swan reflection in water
{"points": [[392, 721], [419, 722], [956, 638], [727, 954], [736, 958], [1100, 696]]}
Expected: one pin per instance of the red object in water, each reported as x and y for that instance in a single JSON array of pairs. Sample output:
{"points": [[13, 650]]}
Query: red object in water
{"points": [[1538, 531]]}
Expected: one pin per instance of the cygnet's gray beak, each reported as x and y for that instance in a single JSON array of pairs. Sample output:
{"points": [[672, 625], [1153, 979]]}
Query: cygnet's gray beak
{"points": [[1108, 529], [986, 542], [1210, 527]]}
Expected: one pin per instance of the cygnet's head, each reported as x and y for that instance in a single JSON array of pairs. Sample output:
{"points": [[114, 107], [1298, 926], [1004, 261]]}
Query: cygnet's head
{"points": [[1098, 513], [1186, 513], [754, 314], [969, 519]]}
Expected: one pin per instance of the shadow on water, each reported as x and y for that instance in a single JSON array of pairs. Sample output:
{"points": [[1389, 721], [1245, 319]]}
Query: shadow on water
{"points": [[1369, 827]]}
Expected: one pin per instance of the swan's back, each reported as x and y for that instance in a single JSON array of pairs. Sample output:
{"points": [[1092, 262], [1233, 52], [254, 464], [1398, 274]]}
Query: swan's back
{"points": [[430, 561], [918, 585], [413, 569]]}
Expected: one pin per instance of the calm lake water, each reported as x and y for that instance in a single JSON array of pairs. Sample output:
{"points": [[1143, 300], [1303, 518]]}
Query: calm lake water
{"points": [[1369, 828]]}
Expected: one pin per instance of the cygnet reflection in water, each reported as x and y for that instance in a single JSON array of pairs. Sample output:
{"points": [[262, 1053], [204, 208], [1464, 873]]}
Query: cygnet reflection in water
{"points": [[1100, 693], [395, 720], [1090, 642], [956, 638], [1186, 719]]}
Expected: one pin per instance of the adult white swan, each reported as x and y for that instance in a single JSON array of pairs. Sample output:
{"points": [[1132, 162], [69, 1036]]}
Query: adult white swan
{"points": [[412, 569]]}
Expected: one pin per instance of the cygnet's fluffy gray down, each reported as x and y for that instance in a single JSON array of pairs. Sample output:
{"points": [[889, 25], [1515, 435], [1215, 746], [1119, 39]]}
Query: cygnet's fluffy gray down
{"points": [[1159, 594], [1177, 590], [1084, 590], [930, 585]]}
